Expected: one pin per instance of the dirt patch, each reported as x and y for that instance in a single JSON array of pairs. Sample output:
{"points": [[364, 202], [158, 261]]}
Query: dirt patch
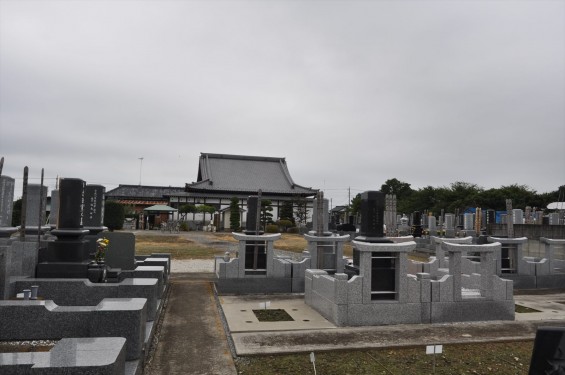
{"points": [[272, 315]]}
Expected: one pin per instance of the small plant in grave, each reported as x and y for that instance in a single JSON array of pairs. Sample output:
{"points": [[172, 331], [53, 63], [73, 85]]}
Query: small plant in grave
{"points": [[101, 246]]}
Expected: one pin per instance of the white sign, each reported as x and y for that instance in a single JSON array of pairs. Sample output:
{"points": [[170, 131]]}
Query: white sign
{"points": [[265, 305], [312, 357], [434, 349]]}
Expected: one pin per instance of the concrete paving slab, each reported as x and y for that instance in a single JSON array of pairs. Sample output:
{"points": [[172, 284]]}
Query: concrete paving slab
{"points": [[240, 317], [551, 307], [263, 338]]}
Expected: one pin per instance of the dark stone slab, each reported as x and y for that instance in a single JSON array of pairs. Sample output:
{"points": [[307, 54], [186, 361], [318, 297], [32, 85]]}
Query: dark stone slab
{"points": [[121, 250], [548, 356]]}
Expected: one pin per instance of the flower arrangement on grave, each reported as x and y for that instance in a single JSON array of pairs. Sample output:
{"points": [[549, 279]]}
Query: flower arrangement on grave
{"points": [[101, 246]]}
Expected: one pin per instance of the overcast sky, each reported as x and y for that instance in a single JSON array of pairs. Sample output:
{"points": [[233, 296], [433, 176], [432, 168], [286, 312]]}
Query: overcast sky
{"points": [[351, 93]]}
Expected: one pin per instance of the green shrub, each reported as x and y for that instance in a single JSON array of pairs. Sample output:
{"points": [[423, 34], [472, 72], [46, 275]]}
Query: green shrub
{"points": [[183, 226], [293, 230], [272, 228], [114, 215]]}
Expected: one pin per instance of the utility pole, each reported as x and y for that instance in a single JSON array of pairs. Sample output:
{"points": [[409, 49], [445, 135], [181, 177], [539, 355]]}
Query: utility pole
{"points": [[140, 165]]}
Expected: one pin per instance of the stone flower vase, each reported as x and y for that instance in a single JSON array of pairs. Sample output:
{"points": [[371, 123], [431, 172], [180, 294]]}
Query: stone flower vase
{"points": [[97, 272]]}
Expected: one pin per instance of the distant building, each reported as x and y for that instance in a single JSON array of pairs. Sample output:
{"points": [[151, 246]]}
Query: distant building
{"points": [[221, 177]]}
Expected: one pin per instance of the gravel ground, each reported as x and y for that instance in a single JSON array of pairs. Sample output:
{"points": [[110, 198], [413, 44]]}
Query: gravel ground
{"points": [[192, 265], [207, 265]]}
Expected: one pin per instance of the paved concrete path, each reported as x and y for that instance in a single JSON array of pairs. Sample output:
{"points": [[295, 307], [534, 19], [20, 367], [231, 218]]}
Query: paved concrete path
{"points": [[192, 339]]}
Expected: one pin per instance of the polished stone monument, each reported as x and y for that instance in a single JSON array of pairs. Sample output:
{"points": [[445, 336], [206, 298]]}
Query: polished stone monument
{"points": [[35, 209], [68, 255], [6, 206]]}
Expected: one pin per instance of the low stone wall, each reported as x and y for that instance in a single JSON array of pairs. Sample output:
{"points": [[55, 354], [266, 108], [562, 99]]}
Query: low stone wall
{"points": [[41, 320], [81, 292], [531, 231], [106, 356]]}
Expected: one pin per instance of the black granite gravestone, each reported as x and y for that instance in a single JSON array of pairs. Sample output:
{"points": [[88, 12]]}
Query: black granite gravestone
{"points": [[253, 204], [93, 216], [255, 251], [417, 224], [548, 356], [68, 256], [372, 225], [93, 206], [372, 217]]}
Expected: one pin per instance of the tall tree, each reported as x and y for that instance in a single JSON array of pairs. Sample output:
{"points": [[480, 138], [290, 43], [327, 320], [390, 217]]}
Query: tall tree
{"points": [[205, 209], [188, 209], [266, 215], [235, 215], [401, 189], [355, 204], [286, 212], [301, 210]]}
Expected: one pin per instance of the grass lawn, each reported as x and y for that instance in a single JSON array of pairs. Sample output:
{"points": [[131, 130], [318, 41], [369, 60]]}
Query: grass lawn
{"points": [[485, 358], [178, 246]]}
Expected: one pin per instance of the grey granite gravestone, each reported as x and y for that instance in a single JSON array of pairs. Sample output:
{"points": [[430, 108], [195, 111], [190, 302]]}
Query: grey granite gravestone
{"points": [[54, 209], [432, 227], [449, 225], [468, 222], [6, 206], [35, 208], [320, 217]]}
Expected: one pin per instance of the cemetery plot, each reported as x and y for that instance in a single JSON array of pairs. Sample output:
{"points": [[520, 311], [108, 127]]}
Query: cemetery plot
{"points": [[273, 315]]}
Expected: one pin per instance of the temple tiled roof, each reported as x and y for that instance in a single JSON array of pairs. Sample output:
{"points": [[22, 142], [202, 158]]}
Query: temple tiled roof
{"points": [[140, 192], [240, 173]]}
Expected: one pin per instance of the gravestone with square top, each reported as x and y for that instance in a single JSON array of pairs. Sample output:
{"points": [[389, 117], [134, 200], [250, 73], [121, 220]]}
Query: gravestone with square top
{"points": [[93, 214], [449, 225], [432, 225], [35, 209], [255, 251], [6, 206], [372, 217], [54, 209], [68, 255], [417, 224]]}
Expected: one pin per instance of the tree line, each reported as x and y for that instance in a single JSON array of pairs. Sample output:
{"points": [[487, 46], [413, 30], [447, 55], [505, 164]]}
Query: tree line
{"points": [[461, 195]]}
